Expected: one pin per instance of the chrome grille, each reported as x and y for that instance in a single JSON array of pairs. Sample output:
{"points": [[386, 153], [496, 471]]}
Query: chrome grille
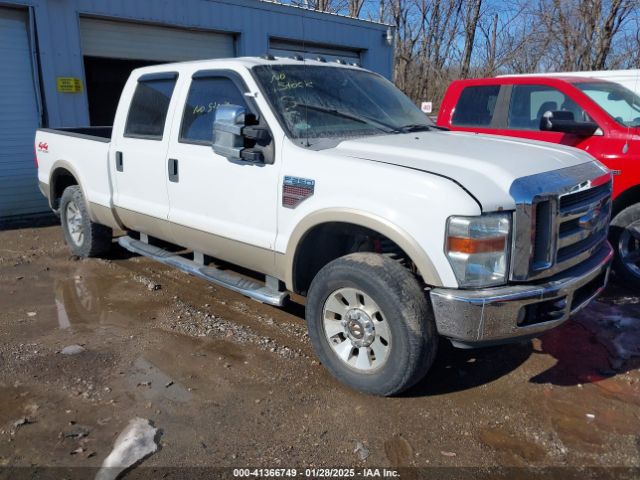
{"points": [[561, 219], [582, 224]]}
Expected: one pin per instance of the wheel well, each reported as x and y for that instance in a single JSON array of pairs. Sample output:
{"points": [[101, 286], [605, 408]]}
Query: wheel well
{"points": [[60, 179], [328, 241], [626, 199]]}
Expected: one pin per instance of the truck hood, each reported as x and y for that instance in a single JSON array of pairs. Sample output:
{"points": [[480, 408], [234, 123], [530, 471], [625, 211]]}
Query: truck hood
{"points": [[484, 165]]}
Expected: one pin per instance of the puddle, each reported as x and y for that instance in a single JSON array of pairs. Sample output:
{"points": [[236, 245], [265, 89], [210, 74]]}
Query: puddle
{"points": [[614, 328], [398, 450], [154, 384], [504, 442], [87, 300], [13, 405]]}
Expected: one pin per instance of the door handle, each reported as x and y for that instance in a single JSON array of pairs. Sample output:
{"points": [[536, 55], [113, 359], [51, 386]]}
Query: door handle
{"points": [[119, 162], [173, 170]]}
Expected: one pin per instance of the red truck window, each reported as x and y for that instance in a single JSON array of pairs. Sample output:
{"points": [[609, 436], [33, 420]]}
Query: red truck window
{"points": [[529, 103], [476, 105]]}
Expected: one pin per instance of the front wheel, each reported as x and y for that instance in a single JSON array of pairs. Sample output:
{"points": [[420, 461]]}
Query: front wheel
{"points": [[371, 324], [625, 238]]}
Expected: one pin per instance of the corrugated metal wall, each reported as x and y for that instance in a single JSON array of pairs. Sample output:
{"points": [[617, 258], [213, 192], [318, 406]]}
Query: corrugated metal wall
{"points": [[252, 23], [19, 117]]}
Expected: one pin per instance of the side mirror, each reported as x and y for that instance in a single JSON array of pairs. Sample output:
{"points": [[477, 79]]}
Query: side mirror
{"points": [[234, 134], [563, 121]]}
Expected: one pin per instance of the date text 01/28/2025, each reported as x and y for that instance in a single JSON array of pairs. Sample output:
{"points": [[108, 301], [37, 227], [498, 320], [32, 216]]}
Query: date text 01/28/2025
{"points": [[314, 473]]}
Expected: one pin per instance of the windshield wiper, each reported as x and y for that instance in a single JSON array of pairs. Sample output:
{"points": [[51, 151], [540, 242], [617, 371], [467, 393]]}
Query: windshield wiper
{"points": [[414, 127], [350, 116]]}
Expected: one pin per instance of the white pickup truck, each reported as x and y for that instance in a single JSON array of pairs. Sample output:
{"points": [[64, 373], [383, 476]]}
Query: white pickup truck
{"points": [[327, 180]]}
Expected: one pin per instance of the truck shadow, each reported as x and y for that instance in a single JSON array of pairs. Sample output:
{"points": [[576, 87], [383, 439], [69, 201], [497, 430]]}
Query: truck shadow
{"points": [[580, 357], [456, 370], [598, 343]]}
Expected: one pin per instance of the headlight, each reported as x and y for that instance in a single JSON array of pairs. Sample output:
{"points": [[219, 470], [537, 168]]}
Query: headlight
{"points": [[478, 249]]}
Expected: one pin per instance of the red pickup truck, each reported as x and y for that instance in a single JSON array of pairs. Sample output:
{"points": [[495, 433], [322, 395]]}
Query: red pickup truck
{"points": [[600, 117]]}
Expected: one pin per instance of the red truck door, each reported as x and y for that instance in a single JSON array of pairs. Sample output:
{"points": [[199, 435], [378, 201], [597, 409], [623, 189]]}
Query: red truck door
{"points": [[528, 104], [516, 111]]}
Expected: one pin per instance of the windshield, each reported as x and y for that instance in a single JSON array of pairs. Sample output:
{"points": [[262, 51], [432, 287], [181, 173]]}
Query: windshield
{"points": [[323, 102], [619, 102]]}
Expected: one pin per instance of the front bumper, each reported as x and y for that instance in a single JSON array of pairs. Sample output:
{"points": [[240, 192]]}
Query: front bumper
{"points": [[496, 315]]}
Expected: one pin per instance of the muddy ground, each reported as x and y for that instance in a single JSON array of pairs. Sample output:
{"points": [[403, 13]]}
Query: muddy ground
{"points": [[234, 383]]}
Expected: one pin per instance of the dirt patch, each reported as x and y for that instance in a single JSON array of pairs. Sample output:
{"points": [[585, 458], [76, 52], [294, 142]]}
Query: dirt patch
{"points": [[230, 382]]}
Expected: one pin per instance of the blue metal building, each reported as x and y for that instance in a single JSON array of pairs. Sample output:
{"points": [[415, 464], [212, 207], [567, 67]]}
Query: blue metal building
{"points": [[63, 62]]}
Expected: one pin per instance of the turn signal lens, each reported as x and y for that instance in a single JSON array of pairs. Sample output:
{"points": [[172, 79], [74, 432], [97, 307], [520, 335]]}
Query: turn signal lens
{"points": [[476, 245]]}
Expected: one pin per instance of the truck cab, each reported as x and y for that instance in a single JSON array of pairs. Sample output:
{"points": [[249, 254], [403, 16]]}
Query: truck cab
{"points": [[597, 116]]}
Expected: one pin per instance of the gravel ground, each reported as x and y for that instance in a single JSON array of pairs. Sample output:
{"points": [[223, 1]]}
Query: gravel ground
{"points": [[89, 345]]}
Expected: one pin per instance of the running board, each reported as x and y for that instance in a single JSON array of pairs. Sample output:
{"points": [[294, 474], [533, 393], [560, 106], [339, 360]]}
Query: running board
{"points": [[225, 279]]}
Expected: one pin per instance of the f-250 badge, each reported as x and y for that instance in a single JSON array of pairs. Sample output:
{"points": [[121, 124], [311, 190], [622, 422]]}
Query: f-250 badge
{"points": [[295, 190]]}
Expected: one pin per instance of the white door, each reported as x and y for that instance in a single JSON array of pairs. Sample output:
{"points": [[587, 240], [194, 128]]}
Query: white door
{"points": [[138, 154], [19, 118], [234, 201]]}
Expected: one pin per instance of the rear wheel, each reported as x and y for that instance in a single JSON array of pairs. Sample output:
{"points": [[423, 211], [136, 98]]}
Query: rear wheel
{"points": [[625, 238], [84, 237], [370, 323]]}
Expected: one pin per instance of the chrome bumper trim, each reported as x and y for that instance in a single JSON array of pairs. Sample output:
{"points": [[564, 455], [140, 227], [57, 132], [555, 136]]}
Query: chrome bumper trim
{"points": [[478, 316]]}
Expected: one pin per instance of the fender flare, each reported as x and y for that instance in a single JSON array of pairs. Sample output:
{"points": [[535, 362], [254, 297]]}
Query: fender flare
{"points": [[366, 219], [58, 164]]}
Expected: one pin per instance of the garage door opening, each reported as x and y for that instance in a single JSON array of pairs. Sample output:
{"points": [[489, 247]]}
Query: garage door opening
{"points": [[105, 79], [111, 49], [280, 47]]}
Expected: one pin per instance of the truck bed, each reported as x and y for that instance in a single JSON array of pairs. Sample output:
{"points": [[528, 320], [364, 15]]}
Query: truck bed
{"points": [[84, 151], [100, 134]]}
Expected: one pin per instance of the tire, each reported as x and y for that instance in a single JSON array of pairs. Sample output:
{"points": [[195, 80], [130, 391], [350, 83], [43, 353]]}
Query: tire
{"points": [[85, 238], [624, 235], [386, 303]]}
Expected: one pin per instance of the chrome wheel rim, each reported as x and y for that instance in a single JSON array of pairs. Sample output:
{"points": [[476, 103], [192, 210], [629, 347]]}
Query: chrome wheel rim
{"points": [[74, 223], [629, 247], [356, 329]]}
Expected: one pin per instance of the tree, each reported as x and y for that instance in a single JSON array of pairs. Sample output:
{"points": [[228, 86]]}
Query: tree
{"points": [[437, 41], [582, 31], [470, 24]]}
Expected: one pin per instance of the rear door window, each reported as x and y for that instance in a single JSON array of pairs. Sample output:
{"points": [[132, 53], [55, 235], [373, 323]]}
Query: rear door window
{"points": [[530, 102], [149, 106], [205, 95], [476, 106]]}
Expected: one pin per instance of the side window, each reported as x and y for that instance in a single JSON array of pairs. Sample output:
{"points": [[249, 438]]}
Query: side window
{"points": [[529, 103], [148, 110], [476, 105], [205, 95]]}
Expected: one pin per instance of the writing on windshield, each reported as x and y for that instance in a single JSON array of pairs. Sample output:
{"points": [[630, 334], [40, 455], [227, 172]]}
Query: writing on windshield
{"points": [[315, 101]]}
